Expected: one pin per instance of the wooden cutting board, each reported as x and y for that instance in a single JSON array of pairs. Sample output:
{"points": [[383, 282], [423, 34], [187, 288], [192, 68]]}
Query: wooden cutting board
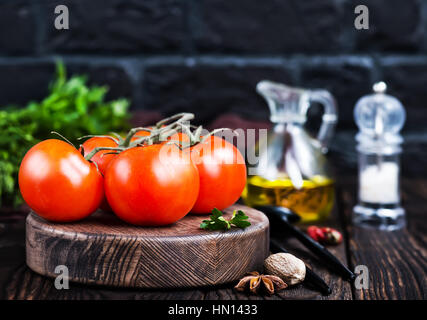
{"points": [[104, 250]]}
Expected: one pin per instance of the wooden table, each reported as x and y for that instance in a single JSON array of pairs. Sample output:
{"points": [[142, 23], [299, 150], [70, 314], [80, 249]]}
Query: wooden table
{"points": [[396, 260]]}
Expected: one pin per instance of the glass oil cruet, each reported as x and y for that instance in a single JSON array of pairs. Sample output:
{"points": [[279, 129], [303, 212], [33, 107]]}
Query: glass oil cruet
{"points": [[380, 117], [292, 170]]}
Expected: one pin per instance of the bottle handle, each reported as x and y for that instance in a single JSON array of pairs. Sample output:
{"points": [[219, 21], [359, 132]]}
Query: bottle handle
{"points": [[329, 118]]}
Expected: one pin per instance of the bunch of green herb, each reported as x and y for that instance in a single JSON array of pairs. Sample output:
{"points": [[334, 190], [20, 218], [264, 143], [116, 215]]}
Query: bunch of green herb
{"points": [[218, 222], [72, 108]]}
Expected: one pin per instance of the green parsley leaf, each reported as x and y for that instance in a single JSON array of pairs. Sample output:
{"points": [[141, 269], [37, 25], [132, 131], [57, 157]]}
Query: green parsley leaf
{"points": [[240, 220], [218, 222]]}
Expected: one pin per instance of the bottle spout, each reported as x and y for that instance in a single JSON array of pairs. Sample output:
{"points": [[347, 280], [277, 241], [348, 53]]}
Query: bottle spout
{"points": [[290, 105], [283, 101]]}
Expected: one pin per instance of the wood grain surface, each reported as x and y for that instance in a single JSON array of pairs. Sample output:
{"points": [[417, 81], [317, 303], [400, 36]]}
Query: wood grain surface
{"points": [[396, 260], [103, 250]]}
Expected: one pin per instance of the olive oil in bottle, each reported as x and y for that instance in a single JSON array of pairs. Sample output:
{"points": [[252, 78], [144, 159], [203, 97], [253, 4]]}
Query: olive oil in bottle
{"points": [[289, 156], [313, 202]]}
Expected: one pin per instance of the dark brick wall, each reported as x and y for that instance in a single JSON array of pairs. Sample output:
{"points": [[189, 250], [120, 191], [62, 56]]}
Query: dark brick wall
{"points": [[206, 56]]}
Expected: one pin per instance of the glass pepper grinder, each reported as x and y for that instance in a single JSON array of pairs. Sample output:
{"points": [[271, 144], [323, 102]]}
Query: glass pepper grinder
{"points": [[380, 117]]}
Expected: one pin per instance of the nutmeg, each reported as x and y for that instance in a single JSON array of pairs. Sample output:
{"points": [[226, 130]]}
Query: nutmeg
{"points": [[285, 266]]}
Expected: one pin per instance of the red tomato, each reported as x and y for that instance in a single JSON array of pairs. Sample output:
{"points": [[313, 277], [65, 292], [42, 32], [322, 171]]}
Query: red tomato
{"points": [[101, 158], [222, 172], [143, 133], [179, 137], [140, 134], [144, 186], [58, 183]]}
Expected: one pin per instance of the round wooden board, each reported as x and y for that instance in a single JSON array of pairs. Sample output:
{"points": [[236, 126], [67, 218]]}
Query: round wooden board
{"points": [[104, 250]]}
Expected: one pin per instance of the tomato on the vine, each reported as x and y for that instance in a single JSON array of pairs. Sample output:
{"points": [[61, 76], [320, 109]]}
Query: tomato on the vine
{"points": [[140, 134], [222, 172], [58, 183], [179, 137], [149, 187], [101, 158]]}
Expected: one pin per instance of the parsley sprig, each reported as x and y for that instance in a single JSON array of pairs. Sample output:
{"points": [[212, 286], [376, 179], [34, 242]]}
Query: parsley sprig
{"points": [[218, 222]]}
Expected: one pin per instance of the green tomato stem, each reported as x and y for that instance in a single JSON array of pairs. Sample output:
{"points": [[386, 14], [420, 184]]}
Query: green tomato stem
{"points": [[91, 154]]}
